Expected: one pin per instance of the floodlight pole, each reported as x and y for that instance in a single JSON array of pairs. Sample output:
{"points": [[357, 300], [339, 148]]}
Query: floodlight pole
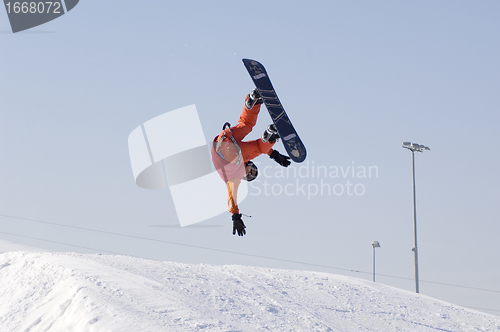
{"points": [[415, 250], [375, 244], [419, 148], [373, 264]]}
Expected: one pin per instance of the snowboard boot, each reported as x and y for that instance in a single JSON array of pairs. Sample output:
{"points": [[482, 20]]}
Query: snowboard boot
{"points": [[253, 99], [270, 135]]}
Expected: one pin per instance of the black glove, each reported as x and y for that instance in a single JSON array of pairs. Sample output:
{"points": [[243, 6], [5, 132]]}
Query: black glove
{"points": [[280, 159], [238, 225]]}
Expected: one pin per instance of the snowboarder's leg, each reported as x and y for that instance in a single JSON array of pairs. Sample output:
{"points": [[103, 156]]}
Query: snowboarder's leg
{"points": [[255, 148], [246, 122]]}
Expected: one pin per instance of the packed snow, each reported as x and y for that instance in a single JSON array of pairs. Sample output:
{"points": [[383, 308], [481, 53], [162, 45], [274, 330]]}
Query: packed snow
{"points": [[43, 291]]}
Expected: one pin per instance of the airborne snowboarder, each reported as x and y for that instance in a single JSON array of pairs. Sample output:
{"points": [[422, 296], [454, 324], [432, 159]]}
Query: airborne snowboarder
{"points": [[232, 157]]}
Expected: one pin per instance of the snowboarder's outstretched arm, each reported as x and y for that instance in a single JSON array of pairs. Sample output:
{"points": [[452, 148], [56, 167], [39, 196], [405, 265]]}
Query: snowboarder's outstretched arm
{"points": [[232, 202], [232, 195]]}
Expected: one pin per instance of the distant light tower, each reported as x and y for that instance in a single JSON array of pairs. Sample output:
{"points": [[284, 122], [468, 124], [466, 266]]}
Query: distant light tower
{"points": [[418, 148], [375, 244]]}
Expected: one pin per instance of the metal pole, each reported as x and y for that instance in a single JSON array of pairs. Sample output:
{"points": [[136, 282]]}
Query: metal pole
{"points": [[415, 250], [373, 263]]}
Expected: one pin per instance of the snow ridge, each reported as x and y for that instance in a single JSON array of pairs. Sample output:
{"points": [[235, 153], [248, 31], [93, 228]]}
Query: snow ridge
{"points": [[73, 292]]}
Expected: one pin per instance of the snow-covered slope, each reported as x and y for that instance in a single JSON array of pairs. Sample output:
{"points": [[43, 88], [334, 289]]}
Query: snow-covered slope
{"points": [[73, 292]]}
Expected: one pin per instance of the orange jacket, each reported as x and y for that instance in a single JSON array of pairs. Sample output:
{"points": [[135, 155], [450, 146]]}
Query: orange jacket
{"points": [[226, 157]]}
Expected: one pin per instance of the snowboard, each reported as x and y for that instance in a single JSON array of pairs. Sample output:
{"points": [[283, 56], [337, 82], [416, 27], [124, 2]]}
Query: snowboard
{"points": [[288, 135]]}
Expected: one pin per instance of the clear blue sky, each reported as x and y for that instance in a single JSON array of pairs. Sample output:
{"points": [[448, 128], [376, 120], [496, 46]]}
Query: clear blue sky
{"points": [[357, 79]]}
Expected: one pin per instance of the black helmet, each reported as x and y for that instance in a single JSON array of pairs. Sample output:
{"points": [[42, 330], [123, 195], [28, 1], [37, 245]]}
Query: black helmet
{"points": [[252, 174]]}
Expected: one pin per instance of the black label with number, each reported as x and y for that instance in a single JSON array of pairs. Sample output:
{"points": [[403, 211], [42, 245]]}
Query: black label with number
{"points": [[28, 14]]}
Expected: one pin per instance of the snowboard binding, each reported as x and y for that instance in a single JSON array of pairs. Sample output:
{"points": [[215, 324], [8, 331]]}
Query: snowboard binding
{"points": [[253, 99], [270, 135]]}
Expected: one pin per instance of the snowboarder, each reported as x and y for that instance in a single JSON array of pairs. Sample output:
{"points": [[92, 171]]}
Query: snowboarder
{"points": [[232, 157]]}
